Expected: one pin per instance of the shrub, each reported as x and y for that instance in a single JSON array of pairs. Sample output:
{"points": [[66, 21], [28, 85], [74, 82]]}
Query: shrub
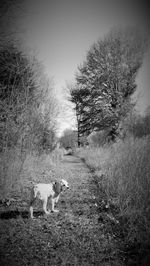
{"points": [[135, 125], [100, 138]]}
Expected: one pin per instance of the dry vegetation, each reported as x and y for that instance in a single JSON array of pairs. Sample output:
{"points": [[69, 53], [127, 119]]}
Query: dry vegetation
{"points": [[122, 172], [74, 236], [104, 217]]}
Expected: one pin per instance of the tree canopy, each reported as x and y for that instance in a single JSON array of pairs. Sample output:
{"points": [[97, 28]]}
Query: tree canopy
{"points": [[69, 139], [106, 80]]}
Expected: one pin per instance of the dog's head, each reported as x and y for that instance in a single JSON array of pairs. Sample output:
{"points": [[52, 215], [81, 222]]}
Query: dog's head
{"points": [[58, 187], [64, 183]]}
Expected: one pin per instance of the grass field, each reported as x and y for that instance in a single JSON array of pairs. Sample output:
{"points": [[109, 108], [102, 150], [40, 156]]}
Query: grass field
{"points": [[78, 235]]}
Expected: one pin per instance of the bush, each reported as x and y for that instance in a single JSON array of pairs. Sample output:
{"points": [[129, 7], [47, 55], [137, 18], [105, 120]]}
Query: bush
{"points": [[135, 125], [69, 139], [98, 139]]}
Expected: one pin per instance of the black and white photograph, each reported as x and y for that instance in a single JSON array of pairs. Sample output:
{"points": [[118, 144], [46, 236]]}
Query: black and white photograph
{"points": [[74, 133]]}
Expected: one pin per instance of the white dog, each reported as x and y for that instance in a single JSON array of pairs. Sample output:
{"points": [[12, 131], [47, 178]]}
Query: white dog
{"points": [[45, 191]]}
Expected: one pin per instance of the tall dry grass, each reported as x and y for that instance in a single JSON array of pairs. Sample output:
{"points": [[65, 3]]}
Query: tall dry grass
{"points": [[128, 174], [11, 165], [18, 172], [126, 181]]}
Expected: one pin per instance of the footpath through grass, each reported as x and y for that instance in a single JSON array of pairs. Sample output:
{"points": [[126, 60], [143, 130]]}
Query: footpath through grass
{"points": [[74, 236]]}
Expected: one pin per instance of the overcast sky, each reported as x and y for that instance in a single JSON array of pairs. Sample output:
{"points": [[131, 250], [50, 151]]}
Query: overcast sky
{"points": [[62, 31]]}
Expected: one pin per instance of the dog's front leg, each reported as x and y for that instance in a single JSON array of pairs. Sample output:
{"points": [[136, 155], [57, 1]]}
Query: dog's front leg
{"points": [[45, 206], [53, 205], [56, 199]]}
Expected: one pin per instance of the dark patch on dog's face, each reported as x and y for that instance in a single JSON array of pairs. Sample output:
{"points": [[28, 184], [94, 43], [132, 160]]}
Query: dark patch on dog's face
{"points": [[63, 187], [57, 188]]}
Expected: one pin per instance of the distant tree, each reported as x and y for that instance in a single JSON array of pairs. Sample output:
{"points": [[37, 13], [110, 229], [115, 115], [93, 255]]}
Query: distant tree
{"points": [[69, 139], [106, 80], [77, 99]]}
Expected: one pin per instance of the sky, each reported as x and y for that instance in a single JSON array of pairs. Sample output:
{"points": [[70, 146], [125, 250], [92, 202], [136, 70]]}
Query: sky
{"points": [[62, 31]]}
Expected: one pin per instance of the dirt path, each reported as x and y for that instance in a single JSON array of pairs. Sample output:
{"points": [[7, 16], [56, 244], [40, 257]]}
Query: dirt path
{"points": [[74, 236]]}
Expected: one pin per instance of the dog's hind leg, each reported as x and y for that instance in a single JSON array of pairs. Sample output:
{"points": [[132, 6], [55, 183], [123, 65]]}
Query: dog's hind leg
{"points": [[31, 207], [33, 198]]}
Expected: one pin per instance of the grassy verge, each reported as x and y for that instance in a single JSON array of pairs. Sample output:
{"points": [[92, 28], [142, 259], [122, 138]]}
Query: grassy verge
{"points": [[123, 174]]}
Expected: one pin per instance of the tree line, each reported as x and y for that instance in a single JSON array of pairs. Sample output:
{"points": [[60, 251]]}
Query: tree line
{"points": [[28, 106], [27, 103]]}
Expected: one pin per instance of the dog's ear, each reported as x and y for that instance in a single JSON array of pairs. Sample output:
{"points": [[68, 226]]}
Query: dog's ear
{"points": [[64, 183], [57, 188]]}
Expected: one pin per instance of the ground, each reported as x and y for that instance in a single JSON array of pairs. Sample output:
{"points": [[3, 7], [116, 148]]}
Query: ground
{"points": [[77, 235]]}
